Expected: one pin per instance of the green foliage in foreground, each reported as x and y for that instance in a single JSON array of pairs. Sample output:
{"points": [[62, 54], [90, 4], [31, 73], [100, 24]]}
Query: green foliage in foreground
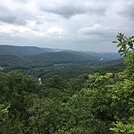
{"points": [[93, 104], [123, 91]]}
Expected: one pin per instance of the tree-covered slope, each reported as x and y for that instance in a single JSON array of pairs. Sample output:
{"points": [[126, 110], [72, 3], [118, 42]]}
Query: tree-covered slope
{"points": [[62, 57], [13, 61], [20, 50]]}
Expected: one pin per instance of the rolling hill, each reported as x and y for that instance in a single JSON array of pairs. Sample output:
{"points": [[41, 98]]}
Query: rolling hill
{"points": [[45, 62], [21, 50], [13, 60], [61, 57], [34, 56]]}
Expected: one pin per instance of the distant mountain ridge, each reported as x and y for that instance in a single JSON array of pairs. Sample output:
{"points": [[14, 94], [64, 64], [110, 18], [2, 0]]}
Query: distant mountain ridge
{"points": [[20, 50], [35, 56]]}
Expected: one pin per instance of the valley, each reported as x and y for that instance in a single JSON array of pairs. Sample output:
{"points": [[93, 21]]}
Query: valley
{"points": [[45, 62]]}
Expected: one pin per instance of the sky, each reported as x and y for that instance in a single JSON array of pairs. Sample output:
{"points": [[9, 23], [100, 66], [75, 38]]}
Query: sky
{"points": [[86, 25]]}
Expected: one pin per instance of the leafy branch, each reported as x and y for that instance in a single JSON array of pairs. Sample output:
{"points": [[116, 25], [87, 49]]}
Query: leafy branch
{"points": [[125, 44]]}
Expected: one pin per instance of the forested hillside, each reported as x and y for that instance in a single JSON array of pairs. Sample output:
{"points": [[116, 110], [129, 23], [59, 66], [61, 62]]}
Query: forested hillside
{"points": [[62, 57], [20, 50], [45, 59], [95, 103], [45, 62]]}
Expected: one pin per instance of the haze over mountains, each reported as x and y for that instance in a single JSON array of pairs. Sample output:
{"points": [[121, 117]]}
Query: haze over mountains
{"points": [[46, 62], [20, 50], [32, 50], [45, 56]]}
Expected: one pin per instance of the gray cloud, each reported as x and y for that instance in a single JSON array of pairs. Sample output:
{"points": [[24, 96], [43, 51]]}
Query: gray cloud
{"points": [[70, 9], [96, 32], [96, 29], [8, 19], [128, 10], [6, 16], [11, 17], [12, 20], [66, 10]]}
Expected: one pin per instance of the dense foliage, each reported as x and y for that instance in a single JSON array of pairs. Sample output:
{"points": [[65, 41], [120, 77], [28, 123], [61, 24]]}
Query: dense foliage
{"points": [[89, 104]]}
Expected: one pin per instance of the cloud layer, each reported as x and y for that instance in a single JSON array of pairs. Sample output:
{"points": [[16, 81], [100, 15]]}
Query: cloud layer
{"points": [[69, 24]]}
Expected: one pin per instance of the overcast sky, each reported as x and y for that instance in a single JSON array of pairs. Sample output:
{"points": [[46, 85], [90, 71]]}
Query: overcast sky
{"points": [[89, 25]]}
